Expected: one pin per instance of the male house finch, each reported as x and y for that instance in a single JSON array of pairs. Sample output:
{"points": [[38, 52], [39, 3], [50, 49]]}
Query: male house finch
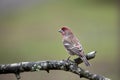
{"points": [[72, 44]]}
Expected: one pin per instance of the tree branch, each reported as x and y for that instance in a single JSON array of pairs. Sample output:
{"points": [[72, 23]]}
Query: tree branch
{"points": [[89, 56], [66, 65]]}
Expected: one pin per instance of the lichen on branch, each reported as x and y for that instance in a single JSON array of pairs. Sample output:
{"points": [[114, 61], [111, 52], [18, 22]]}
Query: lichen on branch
{"points": [[66, 65]]}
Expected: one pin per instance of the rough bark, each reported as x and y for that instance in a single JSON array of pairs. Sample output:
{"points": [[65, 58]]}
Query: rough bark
{"points": [[66, 65]]}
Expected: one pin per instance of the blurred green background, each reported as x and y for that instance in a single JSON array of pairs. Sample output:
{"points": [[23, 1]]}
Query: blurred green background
{"points": [[29, 32]]}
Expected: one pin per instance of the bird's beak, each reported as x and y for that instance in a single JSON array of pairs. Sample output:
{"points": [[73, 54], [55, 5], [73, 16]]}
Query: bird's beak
{"points": [[60, 30]]}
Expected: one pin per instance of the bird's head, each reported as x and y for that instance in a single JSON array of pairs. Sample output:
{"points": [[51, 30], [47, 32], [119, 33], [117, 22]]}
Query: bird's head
{"points": [[65, 31]]}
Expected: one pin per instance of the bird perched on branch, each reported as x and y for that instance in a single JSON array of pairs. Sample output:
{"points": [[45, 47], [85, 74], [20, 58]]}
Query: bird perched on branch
{"points": [[72, 44]]}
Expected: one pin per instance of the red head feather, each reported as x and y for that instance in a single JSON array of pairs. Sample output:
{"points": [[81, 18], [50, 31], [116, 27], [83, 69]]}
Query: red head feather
{"points": [[65, 28]]}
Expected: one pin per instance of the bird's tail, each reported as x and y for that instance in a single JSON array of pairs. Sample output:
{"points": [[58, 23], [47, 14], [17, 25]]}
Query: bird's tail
{"points": [[84, 59]]}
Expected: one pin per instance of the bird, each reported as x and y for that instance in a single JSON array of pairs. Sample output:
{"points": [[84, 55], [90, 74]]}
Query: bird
{"points": [[72, 44]]}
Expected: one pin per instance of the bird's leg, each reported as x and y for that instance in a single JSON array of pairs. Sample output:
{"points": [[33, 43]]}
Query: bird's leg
{"points": [[68, 58]]}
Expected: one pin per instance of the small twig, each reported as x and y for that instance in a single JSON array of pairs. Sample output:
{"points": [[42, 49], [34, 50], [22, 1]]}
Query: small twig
{"points": [[89, 56], [66, 65], [17, 75]]}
